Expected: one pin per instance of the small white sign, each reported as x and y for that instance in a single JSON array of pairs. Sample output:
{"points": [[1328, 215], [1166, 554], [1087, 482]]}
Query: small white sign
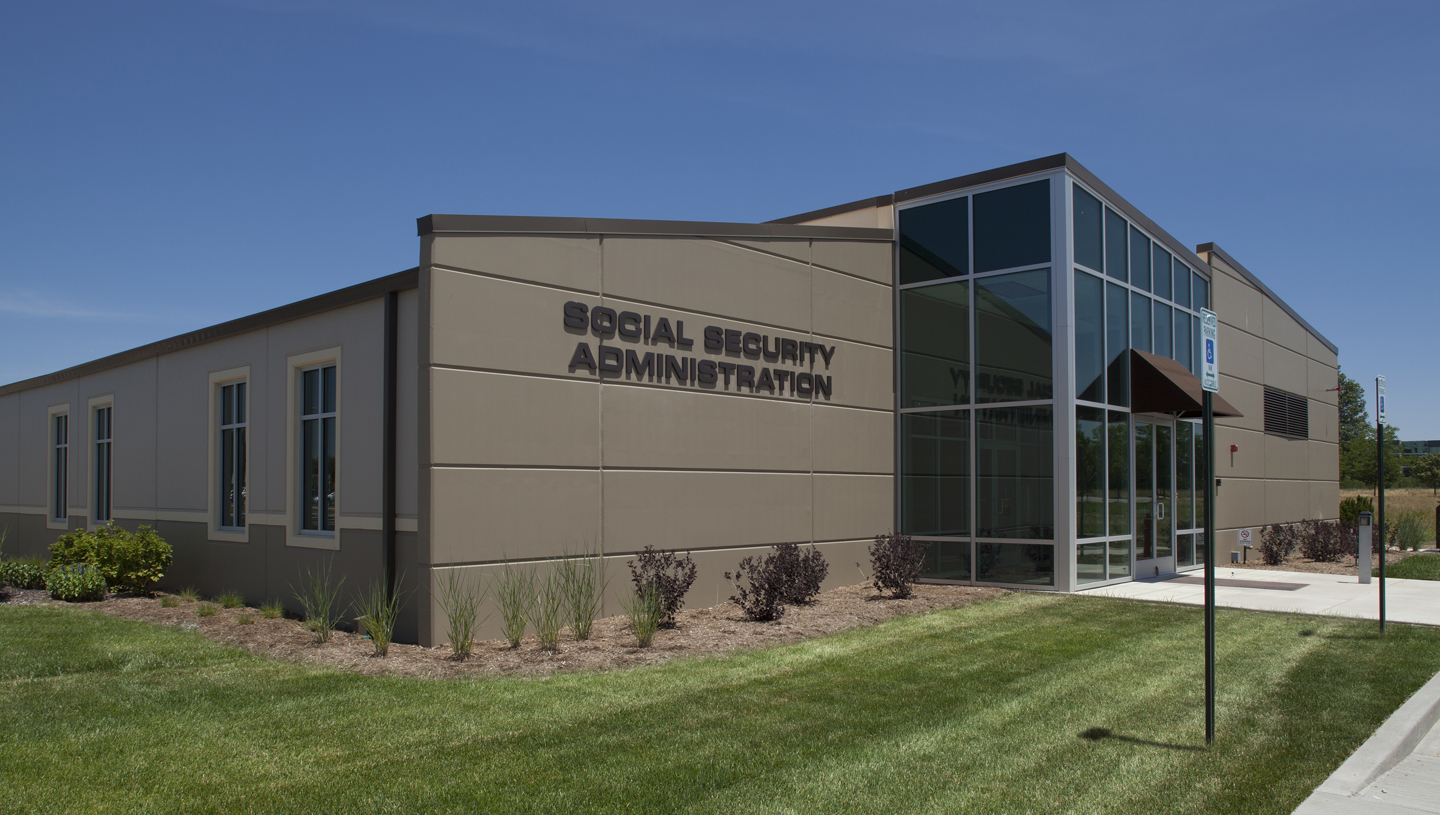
{"points": [[1380, 398], [1209, 350], [1245, 537]]}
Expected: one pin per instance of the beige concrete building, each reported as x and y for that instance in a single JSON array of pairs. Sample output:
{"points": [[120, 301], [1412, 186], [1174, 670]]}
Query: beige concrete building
{"points": [[953, 361]]}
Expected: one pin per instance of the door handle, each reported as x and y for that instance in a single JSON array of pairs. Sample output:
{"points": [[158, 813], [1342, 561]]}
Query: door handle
{"points": [[1159, 512]]}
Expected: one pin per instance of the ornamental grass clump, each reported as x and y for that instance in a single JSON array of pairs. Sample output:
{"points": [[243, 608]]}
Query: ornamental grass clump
{"points": [[514, 592], [319, 595], [460, 599], [583, 581], [669, 574], [206, 610], [644, 611], [230, 599], [380, 608], [548, 609], [189, 594], [1410, 529], [895, 561], [169, 601], [244, 619], [76, 583], [272, 610]]}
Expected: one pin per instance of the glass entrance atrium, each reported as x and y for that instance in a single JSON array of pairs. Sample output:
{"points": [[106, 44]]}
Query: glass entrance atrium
{"points": [[1019, 305]]}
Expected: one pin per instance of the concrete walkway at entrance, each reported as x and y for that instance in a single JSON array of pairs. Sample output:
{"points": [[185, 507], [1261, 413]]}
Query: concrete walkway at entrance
{"points": [[1406, 601]]}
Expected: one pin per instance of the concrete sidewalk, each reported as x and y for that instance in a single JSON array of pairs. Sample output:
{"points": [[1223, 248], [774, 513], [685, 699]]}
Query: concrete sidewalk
{"points": [[1406, 601]]}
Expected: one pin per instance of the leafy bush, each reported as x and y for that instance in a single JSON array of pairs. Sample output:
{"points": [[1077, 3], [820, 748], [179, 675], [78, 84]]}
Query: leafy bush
{"points": [[79, 582], [25, 573], [670, 575], [1351, 508], [206, 610], [131, 562], [896, 562], [801, 573], [380, 608], [319, 595], [230, 599], [1277, 542], [759, 588], [645, 610], [548, 609], [1326, 541], [460, 601], [272, 610], [584, 583], [514, 592]]}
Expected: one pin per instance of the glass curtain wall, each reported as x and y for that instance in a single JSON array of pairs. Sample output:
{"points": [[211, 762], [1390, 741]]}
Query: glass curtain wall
{"points": [[1130, 292], [977, 423]]}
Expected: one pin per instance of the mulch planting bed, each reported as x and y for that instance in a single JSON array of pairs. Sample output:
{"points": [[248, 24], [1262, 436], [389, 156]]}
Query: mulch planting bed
{"points": [[1298, 563], [698, 631]]}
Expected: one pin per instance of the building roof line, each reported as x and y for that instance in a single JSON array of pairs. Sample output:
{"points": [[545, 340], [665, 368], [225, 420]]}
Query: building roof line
{"points": [[1259, 284], [329, 301], [436, 224]]}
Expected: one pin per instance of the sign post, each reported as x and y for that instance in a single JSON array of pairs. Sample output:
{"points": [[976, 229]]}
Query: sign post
{"points": [[1210, 383], [1380, 475]]}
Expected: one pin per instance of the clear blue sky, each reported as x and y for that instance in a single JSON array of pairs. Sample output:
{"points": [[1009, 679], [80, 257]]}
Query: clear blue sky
{"points": [[168, 166]]}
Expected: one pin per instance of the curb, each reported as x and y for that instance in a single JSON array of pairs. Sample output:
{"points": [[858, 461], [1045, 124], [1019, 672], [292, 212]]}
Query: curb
{"points": [[1394, 741]]}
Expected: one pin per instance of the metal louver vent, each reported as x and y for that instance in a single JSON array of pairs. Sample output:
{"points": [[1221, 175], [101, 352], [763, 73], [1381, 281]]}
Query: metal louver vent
{"points": [[1286, 414]]}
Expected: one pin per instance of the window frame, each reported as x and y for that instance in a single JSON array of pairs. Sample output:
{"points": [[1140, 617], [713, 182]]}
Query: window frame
{"points": [[92, 514], [218, 380], [295, 365], [57, 517]]}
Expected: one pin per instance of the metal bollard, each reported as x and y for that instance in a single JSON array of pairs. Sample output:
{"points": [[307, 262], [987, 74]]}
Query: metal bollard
{"points": [[1362, 556]]}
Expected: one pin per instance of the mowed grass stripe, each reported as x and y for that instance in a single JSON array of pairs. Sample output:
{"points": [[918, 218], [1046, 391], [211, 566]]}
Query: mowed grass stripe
{"points": [[977, 709]]}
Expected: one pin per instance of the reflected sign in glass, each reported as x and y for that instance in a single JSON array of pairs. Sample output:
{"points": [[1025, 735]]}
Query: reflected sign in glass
{"points": [[1209, 350]]}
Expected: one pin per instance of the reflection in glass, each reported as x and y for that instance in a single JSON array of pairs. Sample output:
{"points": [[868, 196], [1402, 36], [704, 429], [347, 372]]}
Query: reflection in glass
{"points": [[1089, 240], [1200, 551], [1013, 337], [1162, 330], [1139, 260], [1200, 474], [1164, 520], [1119, 481], [1014, 471], [947, 560], [1161, 264], [1182, 284], [1090, 562], [1182, 339], [935, 345], [1117, 344], [1184, 551], [1184, 476], [1012, 227], [935, 241], [1090, 471], [1201, 292], [1115, 252], [1195, 345], [1029, 564], [1119, 559], [1145, 490], [1089, 337], [935, 473], [1139, 322]]}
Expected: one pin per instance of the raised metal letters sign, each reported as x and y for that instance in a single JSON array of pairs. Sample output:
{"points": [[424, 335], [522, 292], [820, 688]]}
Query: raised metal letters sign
{"points": [[793, 359], [1209, 350]]}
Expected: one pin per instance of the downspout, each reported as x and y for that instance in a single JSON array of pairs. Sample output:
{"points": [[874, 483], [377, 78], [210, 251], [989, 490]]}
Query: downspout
{"points": [[387, 433]]}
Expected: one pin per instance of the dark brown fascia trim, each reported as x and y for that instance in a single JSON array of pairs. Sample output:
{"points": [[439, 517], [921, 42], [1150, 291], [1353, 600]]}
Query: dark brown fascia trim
{"points": [[1250, 276], [521, 224], [360, 292]]}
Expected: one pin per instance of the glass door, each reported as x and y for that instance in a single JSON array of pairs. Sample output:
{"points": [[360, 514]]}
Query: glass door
{"points": [[1154, 498]]}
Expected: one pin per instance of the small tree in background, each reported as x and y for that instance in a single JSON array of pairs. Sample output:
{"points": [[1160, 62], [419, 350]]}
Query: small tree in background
{"points": [[1426, 470]]}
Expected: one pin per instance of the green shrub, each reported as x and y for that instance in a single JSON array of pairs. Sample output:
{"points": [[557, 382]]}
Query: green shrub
{"points": [[25, 573], [206, 610], [169, 601], [380, 608], [645, 611], [131, 562], [319, 595], [80, 582], [459, 601], [230, 599], [1351, 508], [272, 610]]}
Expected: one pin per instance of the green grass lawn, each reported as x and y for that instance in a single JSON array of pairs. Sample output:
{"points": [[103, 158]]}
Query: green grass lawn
{"points": [[980, 709], [1415, 567]]}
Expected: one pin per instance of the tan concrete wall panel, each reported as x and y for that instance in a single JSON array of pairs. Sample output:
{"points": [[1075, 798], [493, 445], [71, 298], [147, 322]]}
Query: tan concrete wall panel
{"points": [[1324, 461], [407, 408], [572, 262], [1237, 304], [1319, 380], [1285, 370], [869, 260], [854, 309], [710, 277], [1286, 501], [10, 430], [1248, 398], [1324, 422], [1286, 458], [489, 514], [1248, 461], [793, 249], [1240, 502], [1242, 355], [846, 505], [854, 441], [503, 325], [507, 420], [1318, 351], [667, 509], [655, 428], [1325, 499], [1284, 330]]}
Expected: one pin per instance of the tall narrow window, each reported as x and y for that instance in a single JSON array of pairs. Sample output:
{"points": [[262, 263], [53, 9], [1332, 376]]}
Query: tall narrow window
{"points": [[317, 449], [1089, 337], [60, 489], [232, 456], [103, 465]]}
